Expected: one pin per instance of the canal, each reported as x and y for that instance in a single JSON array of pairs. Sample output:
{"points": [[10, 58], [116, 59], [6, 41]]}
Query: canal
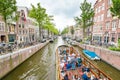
{"points": [[40, 66]]}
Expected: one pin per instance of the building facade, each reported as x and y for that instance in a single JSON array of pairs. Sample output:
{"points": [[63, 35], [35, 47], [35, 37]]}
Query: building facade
{"points": [[106, 28], [78, 32], [25, 27], [2, 31], [22, 31]]}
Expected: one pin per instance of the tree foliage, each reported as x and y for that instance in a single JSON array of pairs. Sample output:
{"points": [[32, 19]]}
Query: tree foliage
{"points": [[72, 30], [7, 7], [115, 8], [39, 14], [49, 25], [65, 30], [85, 19], [44, 21]]}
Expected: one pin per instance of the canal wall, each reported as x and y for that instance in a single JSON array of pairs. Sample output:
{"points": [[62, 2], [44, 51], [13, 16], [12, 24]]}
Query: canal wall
{"points": [[10, 61], [111, 57]]}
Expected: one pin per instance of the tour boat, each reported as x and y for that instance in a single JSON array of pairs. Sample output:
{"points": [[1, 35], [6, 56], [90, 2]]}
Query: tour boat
{"points": [[70, 65], [91, 55]]}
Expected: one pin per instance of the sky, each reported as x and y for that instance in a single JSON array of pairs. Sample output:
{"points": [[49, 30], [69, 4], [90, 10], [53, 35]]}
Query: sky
{"points": [[63, 11]]}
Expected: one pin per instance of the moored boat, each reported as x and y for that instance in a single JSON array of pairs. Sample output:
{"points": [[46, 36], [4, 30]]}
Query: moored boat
{"points": [[91, 55], [70, 65]]}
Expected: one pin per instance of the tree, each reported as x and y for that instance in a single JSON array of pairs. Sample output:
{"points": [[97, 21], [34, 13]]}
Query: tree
{"points": [[115, 8], [48, 23], [115, 11], [85, 20], [72, 30], [39, 14], [7, 7], [65, 30]]}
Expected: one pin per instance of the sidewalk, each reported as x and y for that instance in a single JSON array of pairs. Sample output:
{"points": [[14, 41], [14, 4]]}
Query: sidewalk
{"points": [[18, 49]]}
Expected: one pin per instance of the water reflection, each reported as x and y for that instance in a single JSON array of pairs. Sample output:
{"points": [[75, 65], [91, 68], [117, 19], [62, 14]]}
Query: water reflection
{"points": [[41, 66]]}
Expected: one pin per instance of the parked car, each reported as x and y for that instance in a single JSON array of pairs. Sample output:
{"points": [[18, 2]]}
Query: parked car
{"points": [[87, 42], [72, 43], [43, 40], [78, 40], [51, 40]]}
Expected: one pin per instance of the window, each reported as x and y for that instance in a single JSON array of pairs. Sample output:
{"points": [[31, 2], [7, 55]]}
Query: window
{"points": [[114, 24], [22, 25], [107, 25], [19, 32], [109, 2], [20, 38], [108, 13], [23, 31], [102, 17], [113, 37], [103, 6], [119, 24], [94, 19], [98, 9], [98, 18], [99, 0], [2, 26], [100, 27], [19, 25]]}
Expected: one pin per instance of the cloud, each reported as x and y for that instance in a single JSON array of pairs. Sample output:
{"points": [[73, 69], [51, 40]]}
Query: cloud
{"points": [[63, 11]]}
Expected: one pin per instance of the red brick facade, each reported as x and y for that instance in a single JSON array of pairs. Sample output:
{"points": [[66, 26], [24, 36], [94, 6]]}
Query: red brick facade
{"points": [[2, 31], [106, 28]]}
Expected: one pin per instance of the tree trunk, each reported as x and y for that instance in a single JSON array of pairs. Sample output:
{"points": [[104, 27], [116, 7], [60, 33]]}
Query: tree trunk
{"points": [[6, 32], [39, 33], [83, 34], [48, 32]]}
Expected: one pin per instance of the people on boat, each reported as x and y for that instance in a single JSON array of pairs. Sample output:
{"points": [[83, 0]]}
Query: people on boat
{"points": [[66, 77], [84, 76], [71, 62], [76, 77], [73, 77]]}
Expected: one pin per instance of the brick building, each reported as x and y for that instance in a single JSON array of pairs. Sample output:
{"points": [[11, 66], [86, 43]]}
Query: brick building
{"points": [[106, 28], [78, 32], [8, 33], [2, 31], [22, 32]]}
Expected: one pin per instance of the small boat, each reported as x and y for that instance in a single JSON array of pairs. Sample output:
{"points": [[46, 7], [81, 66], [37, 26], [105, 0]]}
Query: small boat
{"points": [[91, 55], [51, 40], [70, 65]]}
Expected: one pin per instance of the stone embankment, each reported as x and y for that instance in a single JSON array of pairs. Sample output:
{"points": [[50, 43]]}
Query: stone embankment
{"points": [[111, 57], [10, 61]]}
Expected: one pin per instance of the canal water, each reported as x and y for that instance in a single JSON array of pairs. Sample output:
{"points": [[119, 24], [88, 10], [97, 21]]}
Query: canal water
{"points": [[41, 66]]}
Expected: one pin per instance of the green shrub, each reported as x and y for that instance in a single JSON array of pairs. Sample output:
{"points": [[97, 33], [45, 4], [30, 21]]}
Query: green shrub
{"points": [[114, 48], [81, 42]]}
